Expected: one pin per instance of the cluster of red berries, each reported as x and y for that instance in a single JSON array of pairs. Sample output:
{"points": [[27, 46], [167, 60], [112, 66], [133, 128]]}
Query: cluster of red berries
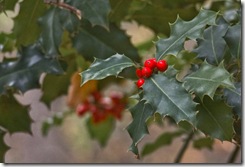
{"points": [[150, 66], [102, 106]]}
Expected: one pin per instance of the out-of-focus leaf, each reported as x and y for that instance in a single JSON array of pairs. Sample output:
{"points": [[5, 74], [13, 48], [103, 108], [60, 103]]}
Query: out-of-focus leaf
{"points": [[9, 4], [93, 10], [205, 142], [207, 79], [137, 129], [234, 99], [101, 131], [7, 41], [24, 72], [163, 140], [119, 9], [215, 119], [101, 69], [13, 116], [26, 27], [3, 147], [212, 47], [107, 43], [180, 30]]}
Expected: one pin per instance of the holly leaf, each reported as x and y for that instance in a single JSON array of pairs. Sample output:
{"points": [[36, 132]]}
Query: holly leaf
{"points": [[101, 131], [163, 140], [212, 47], [180, 30], [26, 27], [215, 119], [106, 43], [24, 72], [3, 147], [207, 79], [205, 142], [14, 116], [119, 9], [233, 38], [234, 99], [169, 98], [95, 11], [101, 69], [137, 129]]}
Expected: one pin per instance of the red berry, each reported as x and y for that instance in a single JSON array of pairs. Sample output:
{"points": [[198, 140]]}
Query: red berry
{"points": [[162, 65], [140, 82], [82, 109], [146, 72], [151, 63], [139, 73]]}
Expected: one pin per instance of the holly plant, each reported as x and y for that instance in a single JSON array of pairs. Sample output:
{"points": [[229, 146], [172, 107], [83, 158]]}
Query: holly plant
{"points": [[80, 48]]}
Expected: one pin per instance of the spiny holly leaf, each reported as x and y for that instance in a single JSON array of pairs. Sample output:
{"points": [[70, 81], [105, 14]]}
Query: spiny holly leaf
{"points": [[233, 38], [180, 30], [137, 129], [205, 142], [234, 99], [101, 69], [207, 79], [215, 119], [3, 147], [51, 32], [106, 43], [169, 98], [163, 140], [119, 9], [24, 72], [26, 27], [101, 131], [212, 46], [93, 10], [14, 116]]}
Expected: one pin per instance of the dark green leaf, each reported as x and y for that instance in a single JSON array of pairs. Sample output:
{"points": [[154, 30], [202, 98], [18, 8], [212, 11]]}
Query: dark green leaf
{"points": [[212, 47], [233, 38], [24, 72], [7, 42], [163, 140], [137, 129], [215, 119], [9, 4], [14, 116], [119, 9], [180, 30], [106, 43], [234, 99], [169, 98], [93, 10], [205, 142], [207, 79], [101, 131], [101, 69], [3, 147], [26, 27]]}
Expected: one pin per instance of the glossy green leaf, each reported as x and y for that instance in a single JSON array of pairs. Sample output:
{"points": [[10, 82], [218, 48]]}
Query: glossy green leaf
{"points": [[101, 69], [205, 142], [14, 116], [234, 98], [93, 10], [26, 26], [169, 98], [215, 119], [212, 47], [233, 38], [137, 129], [101, 131], [163, 140], [24, 72], [51, 32], [180, 30], [106, 43], [3, 147], [207, 79]]}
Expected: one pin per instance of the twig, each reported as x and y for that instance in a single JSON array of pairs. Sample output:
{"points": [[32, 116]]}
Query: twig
{"points": [[234, 154]]}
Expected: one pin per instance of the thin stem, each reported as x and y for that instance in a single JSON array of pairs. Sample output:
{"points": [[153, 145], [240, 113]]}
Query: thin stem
{"points": [[234, 154], [183, 148]]}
